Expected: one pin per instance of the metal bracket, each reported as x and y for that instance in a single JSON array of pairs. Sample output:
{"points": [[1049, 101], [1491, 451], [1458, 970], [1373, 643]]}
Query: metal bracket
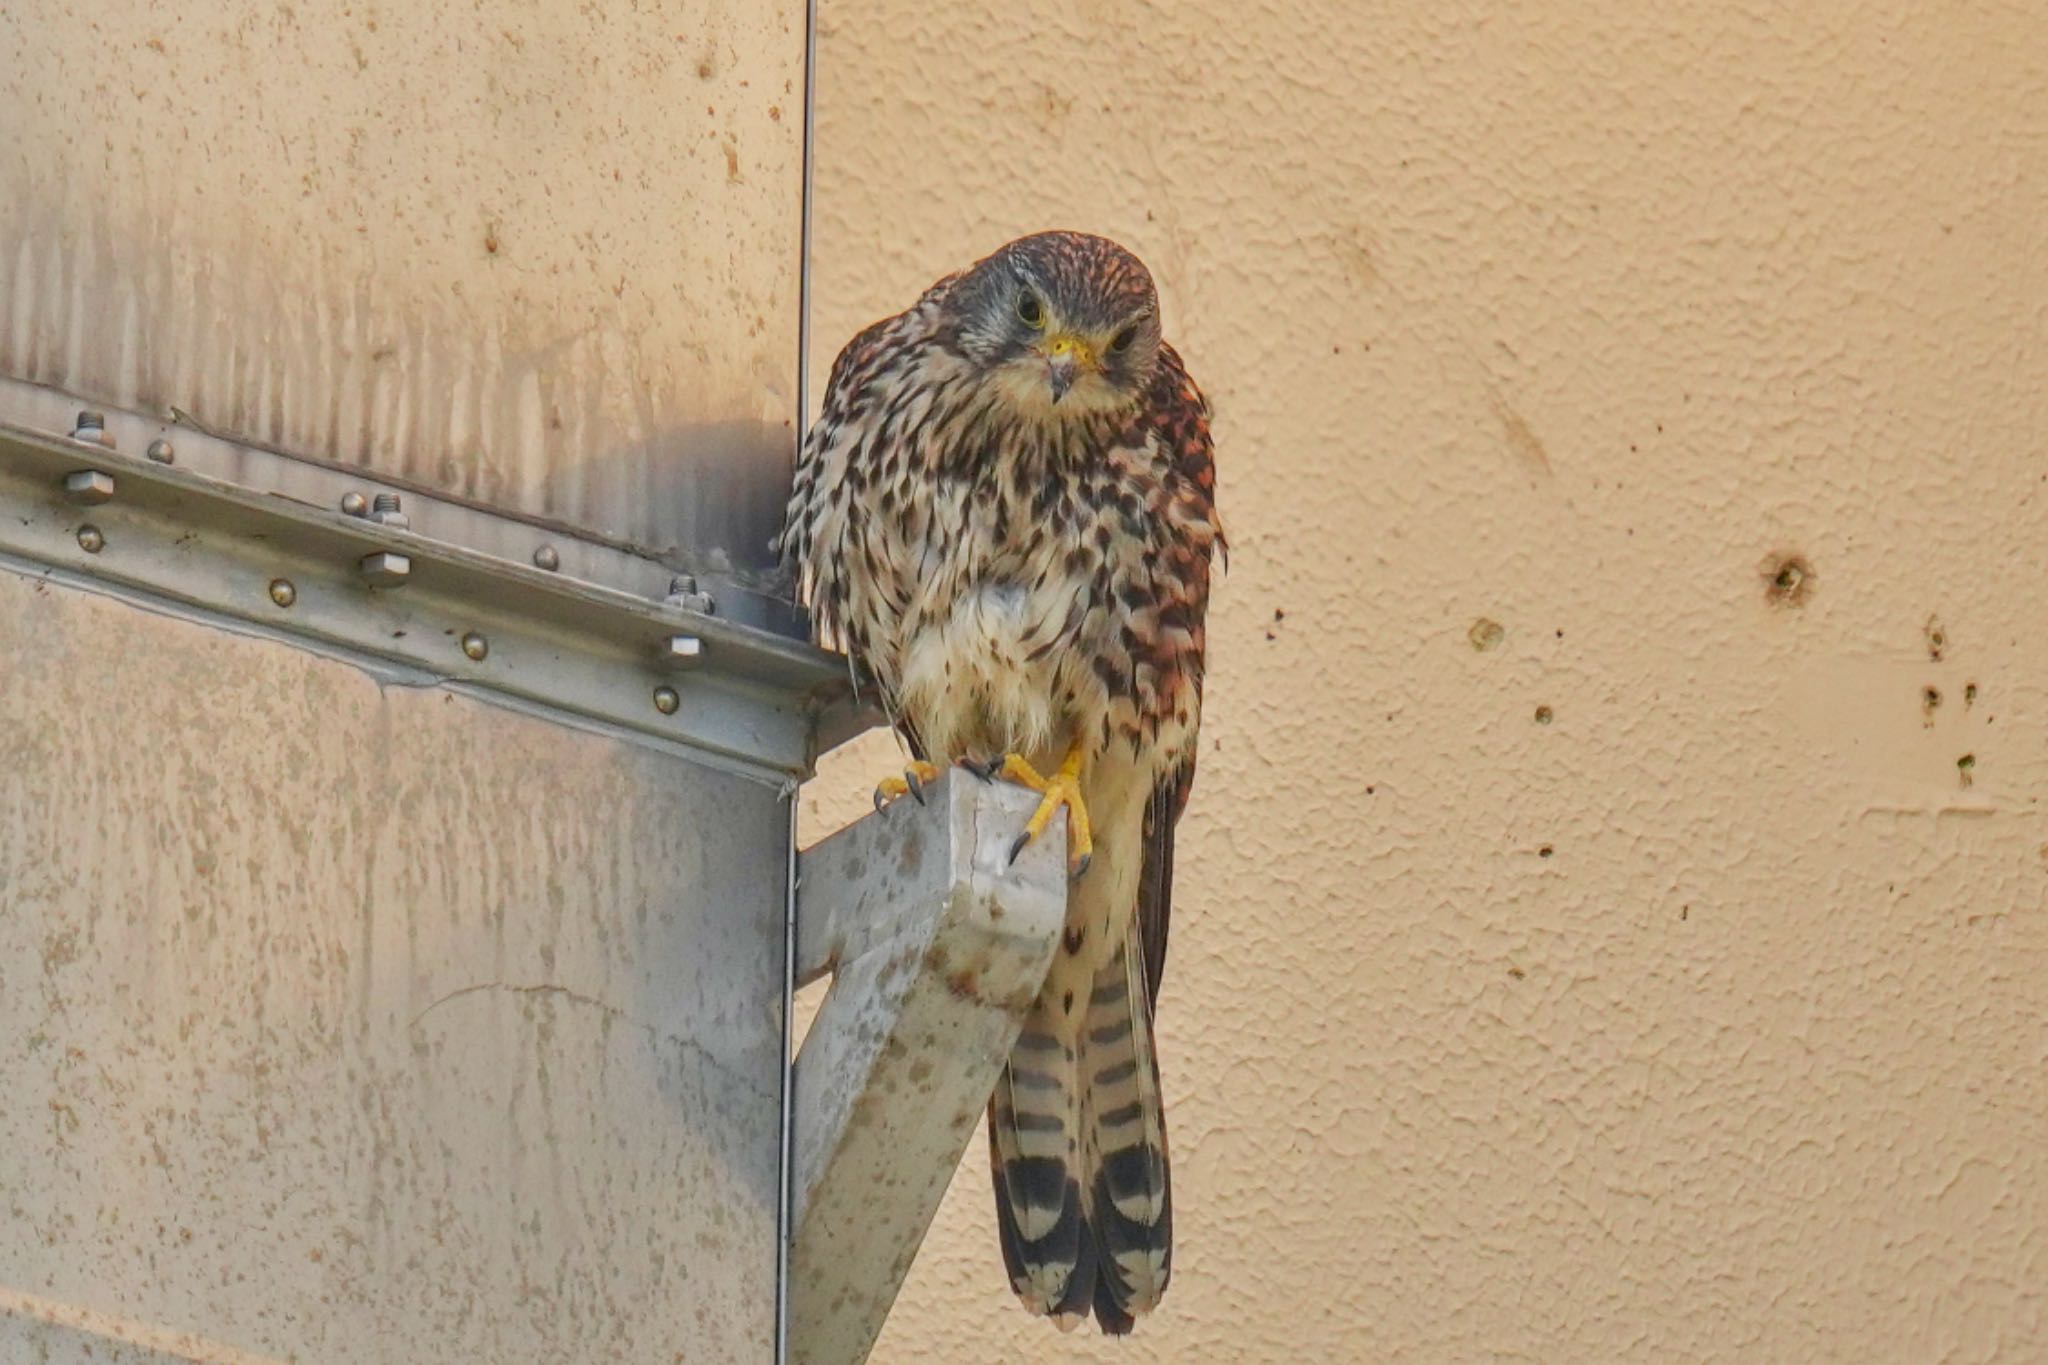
{"points": [[107, 505], [937, 946]]}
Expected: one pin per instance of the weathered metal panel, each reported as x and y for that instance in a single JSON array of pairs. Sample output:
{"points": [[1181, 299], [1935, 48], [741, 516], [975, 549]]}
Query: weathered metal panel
{"points": [[540, 256], [346, 1020]]}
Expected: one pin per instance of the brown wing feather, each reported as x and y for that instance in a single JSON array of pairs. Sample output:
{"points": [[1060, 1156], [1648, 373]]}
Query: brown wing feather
{"points": [[1155, 880], [1180, 422]]}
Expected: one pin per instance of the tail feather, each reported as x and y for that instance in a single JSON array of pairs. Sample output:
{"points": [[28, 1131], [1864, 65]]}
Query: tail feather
{"points": [[1034, 1141], [1077, 1143], [1130, 1206]]}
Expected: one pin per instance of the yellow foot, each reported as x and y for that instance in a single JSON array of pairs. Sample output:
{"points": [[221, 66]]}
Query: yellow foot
{"points": [[1063, 788], [912, 783]]}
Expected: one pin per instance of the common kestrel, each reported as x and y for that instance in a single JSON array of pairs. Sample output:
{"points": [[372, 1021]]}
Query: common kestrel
{"points": [[1006, 515]]}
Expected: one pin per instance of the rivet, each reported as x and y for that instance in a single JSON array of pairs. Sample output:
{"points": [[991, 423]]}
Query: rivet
{"points": [[92, 429], [354, 504], [160, 451], [666, 700], [475, 646], [546, 558], [385, 569], [88, 487], [282, 592], [90, 540]]}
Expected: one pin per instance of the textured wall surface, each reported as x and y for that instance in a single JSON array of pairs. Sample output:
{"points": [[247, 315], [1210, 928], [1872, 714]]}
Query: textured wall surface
{"points": [[534, 254], [355, 1021], [1669, 979]]}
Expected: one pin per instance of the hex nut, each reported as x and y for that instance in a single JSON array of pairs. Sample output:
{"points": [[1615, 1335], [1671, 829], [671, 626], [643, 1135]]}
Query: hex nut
{"points": [[385, 569], [88, 487]]}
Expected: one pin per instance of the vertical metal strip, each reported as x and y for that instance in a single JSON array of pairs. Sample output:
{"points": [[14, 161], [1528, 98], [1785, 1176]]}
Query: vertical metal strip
{"points": [[785, 1192], [803, 303], [786, 1180]]}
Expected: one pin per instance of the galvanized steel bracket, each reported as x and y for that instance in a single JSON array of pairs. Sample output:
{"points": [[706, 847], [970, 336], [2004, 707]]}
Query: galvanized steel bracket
{"points": [[439, 593], [937, 945]]}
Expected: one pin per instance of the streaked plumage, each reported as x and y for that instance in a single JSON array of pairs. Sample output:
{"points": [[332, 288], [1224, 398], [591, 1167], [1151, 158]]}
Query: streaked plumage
{"points": [[1006, 515]]}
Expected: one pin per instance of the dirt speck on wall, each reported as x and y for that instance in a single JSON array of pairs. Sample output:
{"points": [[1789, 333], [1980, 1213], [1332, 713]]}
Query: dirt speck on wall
{"points": [[1707, 1021]]}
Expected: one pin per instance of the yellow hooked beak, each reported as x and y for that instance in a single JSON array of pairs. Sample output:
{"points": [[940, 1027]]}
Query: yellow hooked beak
{"points": [[1067, 357]]}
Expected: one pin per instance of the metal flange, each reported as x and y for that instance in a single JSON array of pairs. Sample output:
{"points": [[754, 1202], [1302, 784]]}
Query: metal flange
{"points": [[384, 591]]}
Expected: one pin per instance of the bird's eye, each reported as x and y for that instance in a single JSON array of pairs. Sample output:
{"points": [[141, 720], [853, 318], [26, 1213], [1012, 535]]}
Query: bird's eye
{"points": [[1030, 309], [1121, 342]]}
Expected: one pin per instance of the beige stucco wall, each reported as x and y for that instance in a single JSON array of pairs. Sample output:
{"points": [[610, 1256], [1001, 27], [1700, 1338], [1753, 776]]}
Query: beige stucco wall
{"points": [[1710, 1019]]}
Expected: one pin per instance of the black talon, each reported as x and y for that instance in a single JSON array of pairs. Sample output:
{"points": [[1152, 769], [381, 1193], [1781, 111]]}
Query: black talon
{"points": [[1023, 841], [1081, 868], [910, 780], [879, 803], [986, 770]]}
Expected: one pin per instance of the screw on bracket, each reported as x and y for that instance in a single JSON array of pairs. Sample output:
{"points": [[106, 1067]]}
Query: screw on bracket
{"points": [[546, 558], [681, 649], [354, 504], [282, 592], [683, 593], [92, 429], [160, 450], [88, 487], [666, 700], [385, 569], [385, 511], [90, 540], [476, 646]]}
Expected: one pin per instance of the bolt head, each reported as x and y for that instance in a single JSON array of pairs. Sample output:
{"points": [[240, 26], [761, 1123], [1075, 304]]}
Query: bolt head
{"points": [[682, 649], [387, 510], [282, 592], [546, 558], [90, 540], [160, 451], [88, 487], [354, 505], [385, 569], [666, 700], [91, 429], [476, 646], [683, 593]]}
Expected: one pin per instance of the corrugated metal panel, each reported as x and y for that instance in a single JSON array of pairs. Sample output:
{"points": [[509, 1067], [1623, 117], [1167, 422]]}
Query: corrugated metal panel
{"points": [[536, 255], [345, 1020]]}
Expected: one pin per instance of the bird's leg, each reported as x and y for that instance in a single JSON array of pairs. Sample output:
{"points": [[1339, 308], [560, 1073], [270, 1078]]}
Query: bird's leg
{"points": [[1063, 788], [912, 783]]}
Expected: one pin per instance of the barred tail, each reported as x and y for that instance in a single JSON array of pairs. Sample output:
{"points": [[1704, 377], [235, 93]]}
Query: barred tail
{"points": [[1034, 1133], [1130, 1202], [1077, 1142]]}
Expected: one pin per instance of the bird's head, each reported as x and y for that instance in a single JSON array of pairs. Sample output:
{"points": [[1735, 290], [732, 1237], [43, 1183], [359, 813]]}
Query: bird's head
{"points": [[1065, 325]]}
